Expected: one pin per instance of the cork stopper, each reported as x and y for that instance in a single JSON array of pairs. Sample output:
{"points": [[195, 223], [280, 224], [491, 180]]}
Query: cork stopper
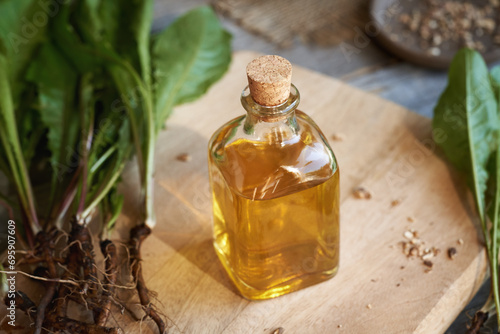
{"points": [[269, 80]]}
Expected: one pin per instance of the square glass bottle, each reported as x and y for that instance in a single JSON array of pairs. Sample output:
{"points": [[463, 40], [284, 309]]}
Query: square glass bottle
{"points": [[275, 190]]}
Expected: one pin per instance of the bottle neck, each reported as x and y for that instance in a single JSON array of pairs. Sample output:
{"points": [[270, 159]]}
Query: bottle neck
{"points": [[281, 116]]}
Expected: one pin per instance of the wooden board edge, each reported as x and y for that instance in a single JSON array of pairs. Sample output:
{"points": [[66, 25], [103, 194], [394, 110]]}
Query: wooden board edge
{"points": [[439, 317]]}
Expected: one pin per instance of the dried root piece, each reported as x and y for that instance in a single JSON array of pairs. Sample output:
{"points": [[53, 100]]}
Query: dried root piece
{"points": [[25, 304], [108, 249], [51, 312], [66, 325], [45, 249], [79, 265], [137, 235], [477, 322], [82, 237], [72, 271], [63, 324]]}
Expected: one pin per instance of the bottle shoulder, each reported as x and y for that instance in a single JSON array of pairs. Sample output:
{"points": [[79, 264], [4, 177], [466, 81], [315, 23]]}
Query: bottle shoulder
{"points": [[227, 132], [234, 130], [254, 160]]}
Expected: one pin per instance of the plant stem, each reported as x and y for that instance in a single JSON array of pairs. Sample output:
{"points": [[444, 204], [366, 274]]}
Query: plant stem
{"points": [[87, 134], [494, 287], [103, 192], [102, 159], [110, 223], [147, 176], [493, 250], [134, 124], [493, 259], [150, 140], [9, 138], [7, 206], [148, 181], [146, 155], [68, 198]]}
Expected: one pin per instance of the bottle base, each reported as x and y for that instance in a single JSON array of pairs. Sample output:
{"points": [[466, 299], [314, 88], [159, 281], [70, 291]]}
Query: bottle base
{"points": [[295, 284]]}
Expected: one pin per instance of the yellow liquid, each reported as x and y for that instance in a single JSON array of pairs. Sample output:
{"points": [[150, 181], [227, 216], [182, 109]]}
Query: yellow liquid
{"points": [[274, 231]]}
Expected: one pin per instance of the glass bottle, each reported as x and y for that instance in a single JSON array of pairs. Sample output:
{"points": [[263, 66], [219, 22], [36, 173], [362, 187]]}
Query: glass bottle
{"points": [[275, 190]]}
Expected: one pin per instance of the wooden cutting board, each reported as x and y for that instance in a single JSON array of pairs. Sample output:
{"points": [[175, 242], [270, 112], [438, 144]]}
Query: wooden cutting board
{"points": [[386, 149]]}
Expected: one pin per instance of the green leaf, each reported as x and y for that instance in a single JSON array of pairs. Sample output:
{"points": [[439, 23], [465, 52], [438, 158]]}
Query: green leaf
{"points": [[4, 286], [84, 57], [112, 130], [31, 132], [111, 148], [494, 170], [493, 244], [495, 82], [188, 57], [466, 126], [56, 81], [466, 119], [22, 28], [9, 139], [120, 26], [114, 204], [4, 166], [130, 35], [120, 32]]}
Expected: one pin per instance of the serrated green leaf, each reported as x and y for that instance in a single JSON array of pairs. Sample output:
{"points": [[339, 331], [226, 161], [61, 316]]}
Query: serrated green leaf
{"points": [[56, 82], [188, 57]]}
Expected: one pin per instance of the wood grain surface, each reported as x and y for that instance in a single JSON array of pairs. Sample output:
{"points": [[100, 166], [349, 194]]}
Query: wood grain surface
{"points": [[386, 149]]}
